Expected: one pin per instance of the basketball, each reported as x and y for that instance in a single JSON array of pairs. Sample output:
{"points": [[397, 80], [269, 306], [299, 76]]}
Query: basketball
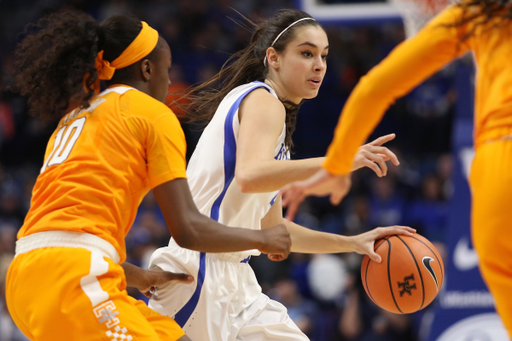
{"points": [[408, 278]]}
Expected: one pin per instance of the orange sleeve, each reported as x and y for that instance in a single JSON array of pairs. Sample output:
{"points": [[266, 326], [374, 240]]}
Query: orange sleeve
{"points": [[166, 148], [408, 64], [160, 134]]}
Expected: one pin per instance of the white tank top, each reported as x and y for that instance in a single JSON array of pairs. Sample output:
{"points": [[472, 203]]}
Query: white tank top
{"points": [[211, 169]]}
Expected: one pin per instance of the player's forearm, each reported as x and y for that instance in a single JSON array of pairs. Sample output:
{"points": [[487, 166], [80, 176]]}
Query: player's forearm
{"points": [[195, 231], [206, 235], [305, 240], [272, 175], [135, 276]]}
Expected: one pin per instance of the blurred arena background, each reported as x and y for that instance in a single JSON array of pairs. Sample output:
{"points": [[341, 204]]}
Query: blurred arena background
{"points": [[323, 293]]}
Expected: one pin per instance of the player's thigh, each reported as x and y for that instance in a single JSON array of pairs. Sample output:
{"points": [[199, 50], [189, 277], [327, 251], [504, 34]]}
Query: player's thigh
{"points": [[491, 183], [165, 327], [69, 293]]}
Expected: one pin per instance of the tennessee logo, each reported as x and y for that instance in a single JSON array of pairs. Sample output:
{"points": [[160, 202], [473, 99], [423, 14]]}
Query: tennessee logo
{"points": [[426, 264], [107, 312]]}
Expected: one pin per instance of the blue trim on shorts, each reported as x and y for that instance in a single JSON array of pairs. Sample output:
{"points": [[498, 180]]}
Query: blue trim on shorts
{"points": [[273, 201], [230, 149], [184, 314]]}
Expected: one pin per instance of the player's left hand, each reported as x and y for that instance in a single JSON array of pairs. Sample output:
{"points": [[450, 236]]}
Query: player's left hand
{"points": [[155, 277], [374, 156], [364, 242]]}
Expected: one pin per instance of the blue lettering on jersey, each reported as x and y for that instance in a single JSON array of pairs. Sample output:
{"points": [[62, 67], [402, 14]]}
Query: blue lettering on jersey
{"points": [[282, 154]]}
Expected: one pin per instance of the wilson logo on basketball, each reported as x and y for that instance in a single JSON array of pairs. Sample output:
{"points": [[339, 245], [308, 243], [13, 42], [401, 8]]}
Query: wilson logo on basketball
{"points": [[405, 286], [426, 264]]}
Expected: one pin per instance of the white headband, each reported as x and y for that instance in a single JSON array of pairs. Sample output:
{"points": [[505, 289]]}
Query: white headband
{"points": [[282, 32]]}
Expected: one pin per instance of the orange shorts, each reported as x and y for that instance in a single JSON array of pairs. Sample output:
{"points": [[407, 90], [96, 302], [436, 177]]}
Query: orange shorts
{"points": [[65, 293]]}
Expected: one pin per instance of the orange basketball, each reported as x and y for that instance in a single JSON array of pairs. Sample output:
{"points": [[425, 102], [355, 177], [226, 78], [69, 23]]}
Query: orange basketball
{"points": [[408, 278]]}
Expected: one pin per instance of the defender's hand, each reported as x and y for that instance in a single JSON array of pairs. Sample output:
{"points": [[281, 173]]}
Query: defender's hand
{"points": [[155, 277], [276, 242], [374, 156]]}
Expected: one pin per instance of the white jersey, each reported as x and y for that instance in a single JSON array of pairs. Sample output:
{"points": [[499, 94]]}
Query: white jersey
{"points": [[224, 302], [211, 170]]}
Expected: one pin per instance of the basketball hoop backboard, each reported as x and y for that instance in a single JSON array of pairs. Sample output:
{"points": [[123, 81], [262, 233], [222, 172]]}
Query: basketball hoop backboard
{"points": [[415, 13]]}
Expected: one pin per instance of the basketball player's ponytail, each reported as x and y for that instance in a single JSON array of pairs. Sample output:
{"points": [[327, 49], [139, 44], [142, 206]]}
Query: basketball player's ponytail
{"points": [[249, 65], [52, 60], [55, 61]]}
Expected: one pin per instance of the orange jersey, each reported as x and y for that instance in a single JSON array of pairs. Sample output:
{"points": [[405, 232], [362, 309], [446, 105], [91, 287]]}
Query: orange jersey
{"points": [[101, 162], [416, 59]]}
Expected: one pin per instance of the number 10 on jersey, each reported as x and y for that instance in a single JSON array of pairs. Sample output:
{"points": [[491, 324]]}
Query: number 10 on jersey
{"points": [[64, 142]]}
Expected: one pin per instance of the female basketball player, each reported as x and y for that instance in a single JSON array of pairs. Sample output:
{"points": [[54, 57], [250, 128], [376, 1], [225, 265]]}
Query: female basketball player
{"points": [[235, 172], [66, 282], [480, 26]]}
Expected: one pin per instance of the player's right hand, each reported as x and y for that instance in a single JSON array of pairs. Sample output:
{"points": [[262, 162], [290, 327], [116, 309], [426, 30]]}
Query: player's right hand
{"points": [[277, 242], [364, 243]]}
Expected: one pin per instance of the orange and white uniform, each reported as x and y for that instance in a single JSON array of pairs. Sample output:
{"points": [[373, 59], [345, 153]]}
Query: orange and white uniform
{"points": [[65, 282], [491, 175]]}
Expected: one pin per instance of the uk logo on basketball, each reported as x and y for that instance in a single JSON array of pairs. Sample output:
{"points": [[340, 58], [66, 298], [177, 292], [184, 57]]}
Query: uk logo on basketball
{"points": [[405, 286]]}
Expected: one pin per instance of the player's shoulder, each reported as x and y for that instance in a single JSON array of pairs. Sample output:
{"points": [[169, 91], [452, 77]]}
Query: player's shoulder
{"points": [[137, 103], [140, 100], [262, 105], [263, 99]]}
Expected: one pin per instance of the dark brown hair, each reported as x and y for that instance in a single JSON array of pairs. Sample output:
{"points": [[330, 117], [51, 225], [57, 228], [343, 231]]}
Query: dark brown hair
{"points": [[247, 66], [484, 13], [56, 58]]}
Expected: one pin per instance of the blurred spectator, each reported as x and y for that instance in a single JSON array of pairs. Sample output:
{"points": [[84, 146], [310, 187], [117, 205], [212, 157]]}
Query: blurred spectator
{"points": [[444, 172], [430, 107], [7, 240], [157, 12], [298, 271], [357, 219], [429, 213], [148, 232], [386, 204], [176, 97], [114, 7], [11, 209], [7, 128], [327, 275]]}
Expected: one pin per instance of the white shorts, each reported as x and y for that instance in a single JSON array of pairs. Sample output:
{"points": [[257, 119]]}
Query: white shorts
{"points": [[224, 303]]}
